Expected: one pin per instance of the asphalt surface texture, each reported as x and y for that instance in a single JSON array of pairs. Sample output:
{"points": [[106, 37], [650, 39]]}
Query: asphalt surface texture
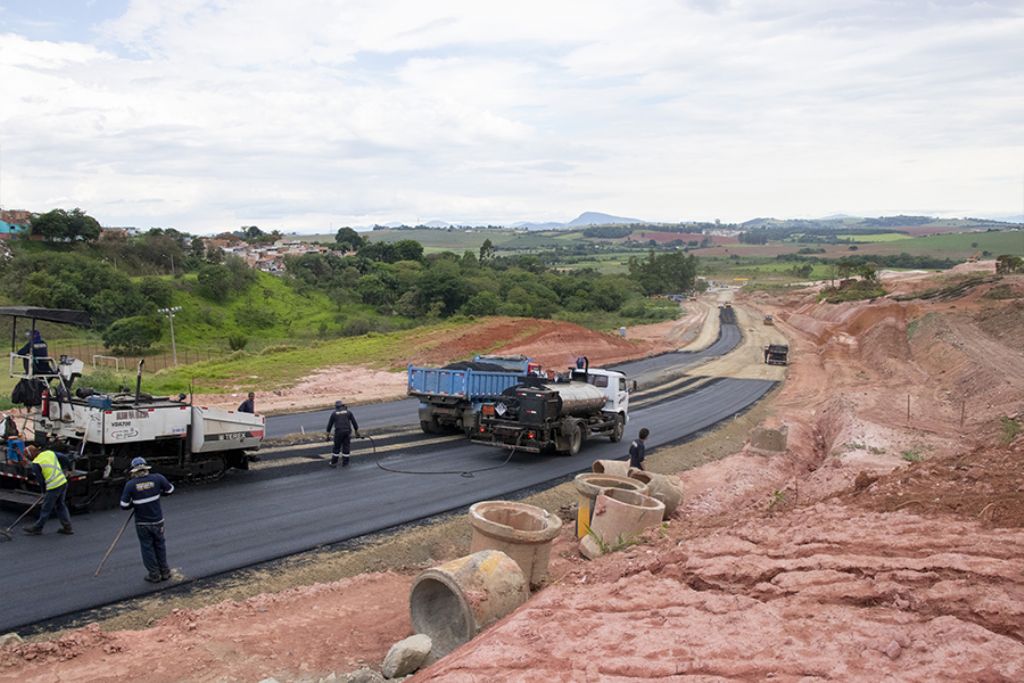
{"points": [[252, 517]]}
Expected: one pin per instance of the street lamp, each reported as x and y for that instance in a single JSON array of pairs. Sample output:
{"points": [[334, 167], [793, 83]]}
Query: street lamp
{"points": [[169, 312]]}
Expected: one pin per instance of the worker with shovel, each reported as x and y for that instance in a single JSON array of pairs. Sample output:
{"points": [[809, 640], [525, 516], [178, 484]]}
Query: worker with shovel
{"points": [[142, 495], [48, 468]]}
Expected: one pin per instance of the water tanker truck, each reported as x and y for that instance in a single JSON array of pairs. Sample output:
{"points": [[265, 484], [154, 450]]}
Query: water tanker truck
{"points": [[537, 415]]}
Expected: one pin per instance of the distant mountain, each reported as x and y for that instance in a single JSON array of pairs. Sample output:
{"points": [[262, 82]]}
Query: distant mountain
{"points": [[437, 224], [595, 218], [550, 225]]}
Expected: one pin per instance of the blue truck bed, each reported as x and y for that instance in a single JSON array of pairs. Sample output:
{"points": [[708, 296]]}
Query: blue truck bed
{"points": [[448, 396]]}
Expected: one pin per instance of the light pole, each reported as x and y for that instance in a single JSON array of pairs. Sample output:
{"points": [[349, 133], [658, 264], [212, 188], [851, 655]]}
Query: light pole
{"points": [[169, 312]]}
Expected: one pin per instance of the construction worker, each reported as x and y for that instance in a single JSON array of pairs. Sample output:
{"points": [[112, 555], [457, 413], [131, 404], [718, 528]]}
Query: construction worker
{"points": [[142, 493], [38, 351], [343, 422], [11, 436], [248, 405], [638, 449], [48, 468]]}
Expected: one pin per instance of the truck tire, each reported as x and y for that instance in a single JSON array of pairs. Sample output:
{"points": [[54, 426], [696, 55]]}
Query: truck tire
{"points": [[430, 426], [574, 435], [618, 429]]}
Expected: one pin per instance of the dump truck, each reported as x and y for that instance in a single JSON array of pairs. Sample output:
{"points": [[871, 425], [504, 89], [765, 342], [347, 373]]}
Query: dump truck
{"points": [[776, 354], [450, 397], [559, 414], [102, 432]]}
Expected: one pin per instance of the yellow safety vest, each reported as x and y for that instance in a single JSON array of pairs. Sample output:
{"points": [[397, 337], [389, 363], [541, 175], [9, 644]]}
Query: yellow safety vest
{"points": [[52, 472]]}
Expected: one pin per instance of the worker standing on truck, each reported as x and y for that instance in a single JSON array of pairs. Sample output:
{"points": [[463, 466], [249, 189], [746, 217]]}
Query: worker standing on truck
{"points": [[249, 404], [638, 450], [142, 493], [48, 468], [36, 349], [344, 423]]}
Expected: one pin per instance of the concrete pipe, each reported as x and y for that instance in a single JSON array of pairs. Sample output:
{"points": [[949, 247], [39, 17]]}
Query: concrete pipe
{"points": [[620, 468], [588, 486], [453, 602], [663, 487], [619, 516], [523, 532]]}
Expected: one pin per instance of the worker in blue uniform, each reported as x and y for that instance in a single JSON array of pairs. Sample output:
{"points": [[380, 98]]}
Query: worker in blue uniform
{"points": [[142, 493], [344, 423]]}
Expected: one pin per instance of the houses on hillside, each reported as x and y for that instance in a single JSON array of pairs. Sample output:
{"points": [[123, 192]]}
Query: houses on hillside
{"points": [[268, 258]]}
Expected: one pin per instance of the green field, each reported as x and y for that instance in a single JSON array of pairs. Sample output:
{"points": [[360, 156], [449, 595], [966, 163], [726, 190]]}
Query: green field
{"points": [[881, 237]]}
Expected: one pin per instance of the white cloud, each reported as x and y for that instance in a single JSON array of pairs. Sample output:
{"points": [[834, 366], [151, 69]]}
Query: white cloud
{"points": [[207, 115]]}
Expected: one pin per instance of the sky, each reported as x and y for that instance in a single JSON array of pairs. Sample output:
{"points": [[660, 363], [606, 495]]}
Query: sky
{"points": [[307, 115]]}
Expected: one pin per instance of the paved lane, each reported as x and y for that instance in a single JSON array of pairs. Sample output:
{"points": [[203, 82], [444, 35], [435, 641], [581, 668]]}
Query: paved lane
{"points": [[254, 517]]}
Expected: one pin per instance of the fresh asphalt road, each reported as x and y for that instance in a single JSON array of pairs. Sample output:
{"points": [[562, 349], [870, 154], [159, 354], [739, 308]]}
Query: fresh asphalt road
{"points": [[404, 412], [251, 517]]}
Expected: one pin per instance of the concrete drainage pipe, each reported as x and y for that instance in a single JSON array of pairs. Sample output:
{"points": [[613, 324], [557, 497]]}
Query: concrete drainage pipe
{"points": [[619, 516], [453, 602], [665, 488], [589, 485], [523, 532], [620, 468]]}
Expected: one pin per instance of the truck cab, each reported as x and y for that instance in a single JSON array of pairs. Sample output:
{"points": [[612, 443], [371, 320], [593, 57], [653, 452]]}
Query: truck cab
{"points": [[612, 384]]}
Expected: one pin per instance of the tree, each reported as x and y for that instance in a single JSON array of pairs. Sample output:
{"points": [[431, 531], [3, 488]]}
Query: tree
{"points": [[349, 240], [1007, 264], [132, 335], [64, 226], [486, 250]]}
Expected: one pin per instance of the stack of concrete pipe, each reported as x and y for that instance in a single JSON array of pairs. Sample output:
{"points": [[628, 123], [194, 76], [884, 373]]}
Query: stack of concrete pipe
{"points": [[510, 550]]}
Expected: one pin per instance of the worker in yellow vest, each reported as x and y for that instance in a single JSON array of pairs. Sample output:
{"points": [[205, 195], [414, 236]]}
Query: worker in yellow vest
{"points": [[48, 468]]}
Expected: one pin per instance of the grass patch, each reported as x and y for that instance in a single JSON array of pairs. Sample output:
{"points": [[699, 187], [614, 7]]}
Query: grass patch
{"points": [[1001, 292], [912, 455], [1010, 428], [851, 290]]}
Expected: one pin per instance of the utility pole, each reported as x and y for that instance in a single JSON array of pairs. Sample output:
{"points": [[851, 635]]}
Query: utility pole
{"points": [[169, 312]]}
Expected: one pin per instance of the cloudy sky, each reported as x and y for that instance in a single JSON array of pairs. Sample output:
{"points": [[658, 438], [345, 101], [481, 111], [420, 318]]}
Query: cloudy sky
{"points": [[309, 114]]}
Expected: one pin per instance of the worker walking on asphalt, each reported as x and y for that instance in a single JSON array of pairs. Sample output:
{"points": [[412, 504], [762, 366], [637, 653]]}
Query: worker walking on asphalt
{"points": [[48, 468], [344, 423], [142, 493], [249, 404], [638, 450]]}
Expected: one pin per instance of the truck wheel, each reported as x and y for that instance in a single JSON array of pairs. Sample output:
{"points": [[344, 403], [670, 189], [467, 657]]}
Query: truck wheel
{"points": [[429, 426], [618, 429], [575, 438]]}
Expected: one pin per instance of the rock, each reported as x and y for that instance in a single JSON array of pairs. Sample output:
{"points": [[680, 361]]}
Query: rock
{"points": [[329, 678], [893, 650], [10, 639], [364, 675], [269, 680], [406, 656]]}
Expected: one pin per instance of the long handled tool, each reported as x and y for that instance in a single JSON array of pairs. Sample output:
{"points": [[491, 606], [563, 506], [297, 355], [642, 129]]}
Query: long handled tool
{"points": [[116, 539], [6, 533]]}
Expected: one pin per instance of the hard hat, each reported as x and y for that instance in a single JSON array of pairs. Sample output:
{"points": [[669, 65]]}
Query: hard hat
{"points": [[139, 464]]}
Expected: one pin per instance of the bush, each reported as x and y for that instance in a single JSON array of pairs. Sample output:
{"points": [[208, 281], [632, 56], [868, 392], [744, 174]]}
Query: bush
{"points": [[357, 327], [237, 342], [132, 335], [277, 348]]}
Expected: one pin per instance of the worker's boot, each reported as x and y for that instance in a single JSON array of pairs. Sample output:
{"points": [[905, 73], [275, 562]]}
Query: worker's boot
{"points": [[66, 530], [344, 461], [153, 578], [334, 461], [32, 530], [165, 574]]}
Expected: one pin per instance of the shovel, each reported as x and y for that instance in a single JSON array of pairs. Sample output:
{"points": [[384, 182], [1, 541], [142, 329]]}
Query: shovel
{"points": [[6, 533]]}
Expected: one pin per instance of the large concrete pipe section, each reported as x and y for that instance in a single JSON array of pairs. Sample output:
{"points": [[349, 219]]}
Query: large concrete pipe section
{"points": [[523, 532], [663, 487], [453, 602], [619, 516], [588, 486], [620, 468]]}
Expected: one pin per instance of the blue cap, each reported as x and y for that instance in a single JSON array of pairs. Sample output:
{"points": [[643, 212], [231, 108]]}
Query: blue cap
{"points": [[139, 464]]}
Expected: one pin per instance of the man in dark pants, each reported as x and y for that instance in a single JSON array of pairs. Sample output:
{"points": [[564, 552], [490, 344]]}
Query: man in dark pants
{"points": [[638, 450], [142, 492], [37, 349], [343, 422], [48, 468], [249, 404]]}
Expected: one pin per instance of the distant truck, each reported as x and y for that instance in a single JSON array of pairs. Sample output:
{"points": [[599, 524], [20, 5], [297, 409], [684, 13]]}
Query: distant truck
{"points": [[776, 354], [539, 415], [450, 397], [768, 320]]}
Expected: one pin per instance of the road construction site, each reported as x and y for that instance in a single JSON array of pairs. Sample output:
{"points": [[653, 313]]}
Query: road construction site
{"points": [[863, 522], [399, 477]]}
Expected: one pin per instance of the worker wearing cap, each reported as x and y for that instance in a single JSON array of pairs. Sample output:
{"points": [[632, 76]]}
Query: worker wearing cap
{"points": [[142, 493], [638, 449], [48, 468], [343, 422]]}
